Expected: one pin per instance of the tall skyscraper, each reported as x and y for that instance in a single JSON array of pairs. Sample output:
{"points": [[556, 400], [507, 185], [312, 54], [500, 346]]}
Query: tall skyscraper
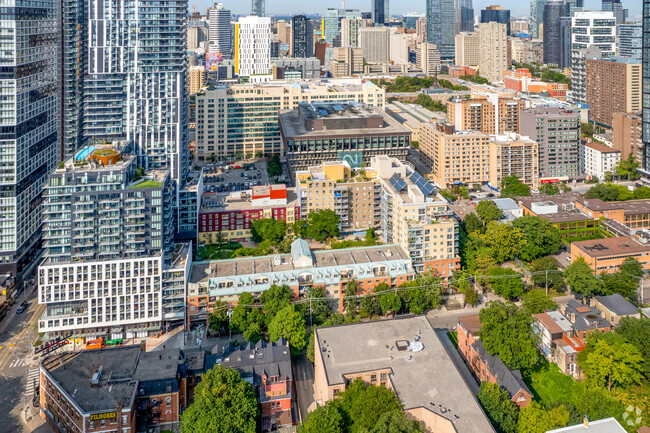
{"points": [[350, 30], [616, 7], [378, 12], [28, 143], [253, 46], [258, 8], [630, 40], [440, 26], [137, 91], [554, 51], [332, 22], [593, 28], [496, 14], [536, 17], [302, 37], [646, 85], [464, 19], [493, 50], [219, 30]]}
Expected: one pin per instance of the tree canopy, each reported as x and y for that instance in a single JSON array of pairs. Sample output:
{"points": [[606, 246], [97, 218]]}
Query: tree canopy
{"points": [[223, 403], [322, 224], [275, 299], [536, 419], [554, 277], [580, 278], [612, 192], [427, 102], [506, 282], [610, 362], [501, 411], [289, 324], [542, 238], [273, 165], [268, 229], [637, 332], [507, 331], [537, 301], [511, 187], [488, 211]]}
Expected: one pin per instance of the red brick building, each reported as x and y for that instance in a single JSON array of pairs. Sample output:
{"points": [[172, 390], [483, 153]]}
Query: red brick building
{"points": [[489, 368]]}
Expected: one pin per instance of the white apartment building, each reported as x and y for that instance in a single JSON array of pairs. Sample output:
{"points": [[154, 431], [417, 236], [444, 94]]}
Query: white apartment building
{"points": [[219, 32], [599, 160], [253, 46], [594, 28]]}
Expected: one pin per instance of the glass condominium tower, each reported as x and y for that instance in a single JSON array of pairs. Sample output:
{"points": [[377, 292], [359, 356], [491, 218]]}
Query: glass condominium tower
{"points": [[28, 134], [135, 87]]}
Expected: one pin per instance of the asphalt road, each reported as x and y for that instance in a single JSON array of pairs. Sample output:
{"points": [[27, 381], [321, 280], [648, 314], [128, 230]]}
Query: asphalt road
{"points": [[303, 378]]}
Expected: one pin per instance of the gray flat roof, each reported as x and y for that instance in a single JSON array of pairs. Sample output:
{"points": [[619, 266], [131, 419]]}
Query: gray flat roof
{"points": [[430, 379], [607, 425], [618, 304]]}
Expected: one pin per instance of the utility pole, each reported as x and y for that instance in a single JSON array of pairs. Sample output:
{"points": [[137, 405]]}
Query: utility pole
{"points": [[311, 322], [547, 282]]}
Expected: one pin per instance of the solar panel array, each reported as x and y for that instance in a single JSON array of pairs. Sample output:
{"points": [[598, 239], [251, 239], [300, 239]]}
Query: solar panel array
{"points": [[397, 182], [426, 188]]}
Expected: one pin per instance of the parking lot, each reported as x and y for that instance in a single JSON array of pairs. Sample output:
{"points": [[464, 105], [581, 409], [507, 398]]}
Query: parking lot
{"points": [[238, 176]]}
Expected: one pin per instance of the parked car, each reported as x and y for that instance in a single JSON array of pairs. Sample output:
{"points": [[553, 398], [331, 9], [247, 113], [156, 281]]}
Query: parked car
{"points": [[22, 307]]}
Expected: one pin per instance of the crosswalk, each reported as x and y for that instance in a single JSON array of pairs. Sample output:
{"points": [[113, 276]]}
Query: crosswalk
{"points": [[17, 362], [32, 381]]}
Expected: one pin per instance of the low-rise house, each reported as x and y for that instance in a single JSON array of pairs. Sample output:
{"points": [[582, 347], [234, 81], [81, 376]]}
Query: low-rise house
{"points": [[614, 308], [607, 425]]}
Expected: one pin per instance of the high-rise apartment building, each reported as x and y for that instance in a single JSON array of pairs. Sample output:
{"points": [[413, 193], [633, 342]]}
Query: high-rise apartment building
{"points": [[594, 28], [493, 50], [536, 17], [378, 12], [284, 32], [421, 29], [525, 50], [400, 50], [197, 79], [302, 37], [346, 62], [490, 115], [557, 132], [646, 86], [332, 24], [427, 57], [630, 40], [626, 135], [375, 43], [253, 46], [440, 26], [464, 21], [468, 49], [410, 19], [556, 50], [220, 30], [28, 143], [196, 35], [251, 123], [613, 85], [579, 72], [496, 14], [258, 7], [350, 30]]}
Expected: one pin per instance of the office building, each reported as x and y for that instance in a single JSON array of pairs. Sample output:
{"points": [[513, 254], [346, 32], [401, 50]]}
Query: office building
{"points": [[196, 36], [606, 255], [251, 124], [525, 50], [599, 161], [398, 354], [332, 25], [106, 226], [468, 49], [220, 31], [378, 13], [197, 79], [302, 269], [375, 43], [346, 62], [332, 131], [300, 68], [613, 85], [557, 132], [630, 40], [284, 32], [626, 135], [421, 29], [493, 50], [594, 28], [555, 52], [616, 7], [579, 72], [400, 48], [536, 18], [410, 19], [333, 185], [427, 57], [253, 45], [29, 148], [302, 37], [496, 14], [350, 30], [464, 21], [490, 115], [440, 26], [229, 215], [258, 7]]}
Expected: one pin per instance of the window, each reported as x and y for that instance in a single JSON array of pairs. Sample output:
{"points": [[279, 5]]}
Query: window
{"points": [[168, 400]]}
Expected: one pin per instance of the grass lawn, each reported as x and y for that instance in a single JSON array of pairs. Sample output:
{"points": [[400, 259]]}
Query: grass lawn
{"points": [[551, 387], [147, 184], [217, 252], [453, 336]]}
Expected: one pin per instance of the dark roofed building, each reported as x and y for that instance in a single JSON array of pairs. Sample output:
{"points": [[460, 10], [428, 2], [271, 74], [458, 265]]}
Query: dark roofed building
{"points": [[267, 366], [615, 307]]}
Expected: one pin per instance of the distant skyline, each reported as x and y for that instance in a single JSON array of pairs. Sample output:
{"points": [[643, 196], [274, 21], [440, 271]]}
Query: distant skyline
{"points": [[397, 7]]}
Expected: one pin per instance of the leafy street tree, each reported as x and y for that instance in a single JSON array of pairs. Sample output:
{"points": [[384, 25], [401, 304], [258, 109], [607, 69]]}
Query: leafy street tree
{"points": [[351, 303], [371, 236], [218, 319], [390, 302], [289, 324], [587, 129], [620, 283], [612, 365], [325, 419], [627, 167], [223, 403], [580, 278], [470, 296], [500, 410], [536, 419], [323, 224], [506, 282], [631, 268], [553, 279], [396, 422], [542, 238], [536, 301], [512, 187], [275, 299], [473, 223], [273, 166], [637, 332], [488, 211], [549, 189], [244, 316], [597, 403], [507, 330], [320, 308], [365, 404], [369, 306], [505, 240], [427, 102], [268, 229]]}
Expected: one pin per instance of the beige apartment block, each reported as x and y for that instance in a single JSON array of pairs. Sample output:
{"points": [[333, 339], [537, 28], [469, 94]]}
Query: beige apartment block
{"points": [[627, 137], [524, 50], [493, 50], [346, 62], [480, 114], [197, 79], [375, 43], [613, 85], [468, 49], [350, 30], [514, 154]]}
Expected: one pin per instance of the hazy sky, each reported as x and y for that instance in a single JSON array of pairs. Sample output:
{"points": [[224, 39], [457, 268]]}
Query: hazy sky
{"points": [[397, 7]]}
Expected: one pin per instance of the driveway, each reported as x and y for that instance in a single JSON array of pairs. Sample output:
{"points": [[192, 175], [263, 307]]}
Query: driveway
{"points": [[303, 379]]}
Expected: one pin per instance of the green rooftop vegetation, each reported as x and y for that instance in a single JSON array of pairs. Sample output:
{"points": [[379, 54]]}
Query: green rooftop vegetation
{"points": [[105, 152], [147, 184]]}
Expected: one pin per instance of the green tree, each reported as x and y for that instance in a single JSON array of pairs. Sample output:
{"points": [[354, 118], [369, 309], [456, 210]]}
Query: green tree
{"points": [[505, 240], [223, 403], [350, 303], [464, 192], [218, 319], [371, 237], [275, 299], [580, 278], [618, 282], [473, 223], [320, 308], [512, 187], [244, 314], [365, 404], [542, 238], [597, 403], [537, 301], [425, 101], [325, 419], [273, 165], [549, 189], [587, 129], [289, 324], [536, 419], [396, 422], [390, 302], [605, 192], [323, 224], [554, 278], [470, 296], [488, 211], [627, 167], [268, 229], [507, 331], [612, 365], [506, 282], [500, 410], [637, 332]]}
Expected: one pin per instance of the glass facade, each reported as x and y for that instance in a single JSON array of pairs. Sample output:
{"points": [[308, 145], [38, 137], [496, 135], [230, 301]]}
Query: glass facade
{"points": [[441, 18]]}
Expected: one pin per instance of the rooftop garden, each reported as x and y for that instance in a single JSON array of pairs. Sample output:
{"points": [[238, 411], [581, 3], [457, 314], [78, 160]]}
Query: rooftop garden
{"points": [[147, 184], [105, 152]]}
